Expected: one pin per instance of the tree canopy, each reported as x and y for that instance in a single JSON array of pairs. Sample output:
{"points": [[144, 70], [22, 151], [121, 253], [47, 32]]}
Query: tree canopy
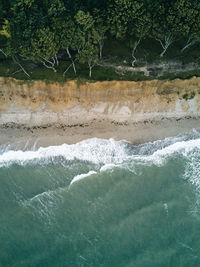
{"points": [[41, 30]]}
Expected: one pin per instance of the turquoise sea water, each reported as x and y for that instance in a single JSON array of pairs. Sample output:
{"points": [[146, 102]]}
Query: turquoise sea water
{"points": [[101, 203]]}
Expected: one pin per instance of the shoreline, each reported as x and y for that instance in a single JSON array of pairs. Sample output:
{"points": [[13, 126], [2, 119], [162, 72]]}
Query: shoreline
{"points": [[39, 114], [23, 137]]}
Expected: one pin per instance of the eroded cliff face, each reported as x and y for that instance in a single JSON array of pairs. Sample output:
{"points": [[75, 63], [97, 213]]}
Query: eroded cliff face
{"points": [[38, 103]]}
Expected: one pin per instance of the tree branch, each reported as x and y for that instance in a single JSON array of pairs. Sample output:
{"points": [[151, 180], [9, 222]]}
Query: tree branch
{"points": [[133, 52], [1, 50], [45, 61], [191, 41], [169, 39], [73, 61], [18, 63], [16, 71], [72, 64]]}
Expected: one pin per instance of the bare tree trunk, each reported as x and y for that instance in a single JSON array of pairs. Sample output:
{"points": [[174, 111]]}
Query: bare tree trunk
{"points": [[90, 67], [73, 61], [133, 52], [90, 72], [17, 71], [56, 59], [53, 62], [71, 65], [49, 64], [1, 50], [18, 63], [191, 41], [101, 44], [167, 42]]}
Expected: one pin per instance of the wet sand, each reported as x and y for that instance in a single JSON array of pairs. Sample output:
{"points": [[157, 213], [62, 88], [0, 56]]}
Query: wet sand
{"points": [[135, 132]]}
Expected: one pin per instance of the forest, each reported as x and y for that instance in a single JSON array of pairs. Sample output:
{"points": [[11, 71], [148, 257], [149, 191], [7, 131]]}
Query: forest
{"points": [[67, 36]]}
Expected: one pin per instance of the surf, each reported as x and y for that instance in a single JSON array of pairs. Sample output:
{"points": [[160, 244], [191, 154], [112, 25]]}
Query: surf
{"points": [[105, 152]]}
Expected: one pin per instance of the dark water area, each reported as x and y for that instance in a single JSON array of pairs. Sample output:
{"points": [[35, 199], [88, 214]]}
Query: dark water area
{"points": [[102, 203]]}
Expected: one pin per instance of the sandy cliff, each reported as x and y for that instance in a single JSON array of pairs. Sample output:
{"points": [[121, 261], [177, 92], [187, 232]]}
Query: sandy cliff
{"points": [[39, 103]]}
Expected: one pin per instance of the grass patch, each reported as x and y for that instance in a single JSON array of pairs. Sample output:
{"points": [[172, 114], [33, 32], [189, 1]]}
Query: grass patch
{"points": [[187, 96], [182, 75], [38, 72], [114, 52]]}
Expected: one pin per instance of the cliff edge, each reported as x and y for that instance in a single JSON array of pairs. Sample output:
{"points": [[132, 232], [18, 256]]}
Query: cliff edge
{"points": [[38, 103]]}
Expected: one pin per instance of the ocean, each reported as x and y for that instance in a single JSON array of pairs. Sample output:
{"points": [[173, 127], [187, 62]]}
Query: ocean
{"points": [[101, 203]]}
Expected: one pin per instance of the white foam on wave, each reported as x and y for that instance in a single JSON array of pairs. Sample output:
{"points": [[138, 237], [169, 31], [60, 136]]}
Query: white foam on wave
{"points": [[183, 148], [192, 172], [108, 167], [97, 151], [82, 176], [92, 150], [111, 154]]}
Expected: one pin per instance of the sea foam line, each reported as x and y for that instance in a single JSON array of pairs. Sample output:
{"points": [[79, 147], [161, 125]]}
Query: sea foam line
{"points": [[82, 176], [92, 150], [97, 151], [183, 148]]}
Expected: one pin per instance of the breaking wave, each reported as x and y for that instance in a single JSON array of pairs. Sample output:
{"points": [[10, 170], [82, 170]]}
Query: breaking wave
{"points": [[106, 152]]}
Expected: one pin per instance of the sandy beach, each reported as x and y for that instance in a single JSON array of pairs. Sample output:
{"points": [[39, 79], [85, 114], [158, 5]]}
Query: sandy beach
{"points": [[150, 130], [40, 114]]}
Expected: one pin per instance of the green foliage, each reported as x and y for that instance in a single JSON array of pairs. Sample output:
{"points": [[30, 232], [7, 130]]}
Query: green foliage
{"points": [[85, 20], [186, 96], [175, 20], [35, 30], [44, 45], [5, 30], [101, 28], [88, 54], [119, 14], [55, 7], [40, 73]]}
